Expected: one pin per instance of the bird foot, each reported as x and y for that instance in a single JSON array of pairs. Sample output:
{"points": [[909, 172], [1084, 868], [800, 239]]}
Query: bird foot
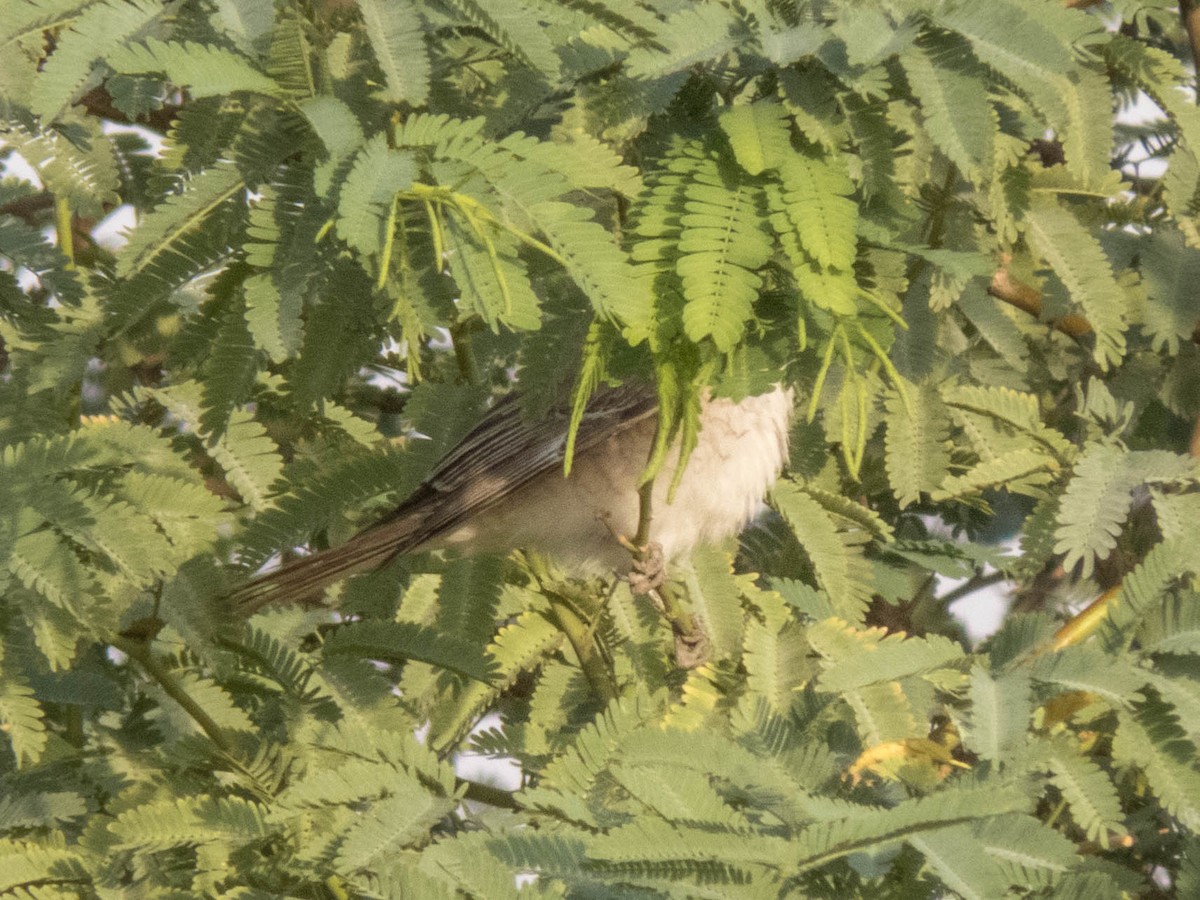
{"points": [[647, 573], [691, 650]]}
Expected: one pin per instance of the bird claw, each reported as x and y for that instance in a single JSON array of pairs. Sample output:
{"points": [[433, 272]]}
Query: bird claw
{"points": [[648, 573], [691, 650]]}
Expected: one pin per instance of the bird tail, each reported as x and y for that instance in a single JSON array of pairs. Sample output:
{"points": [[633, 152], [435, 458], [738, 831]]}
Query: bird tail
{"points": [[302, 580]]}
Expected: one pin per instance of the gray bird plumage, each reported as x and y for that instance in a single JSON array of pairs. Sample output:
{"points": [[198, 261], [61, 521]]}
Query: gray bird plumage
{"points": [[502, 487]]}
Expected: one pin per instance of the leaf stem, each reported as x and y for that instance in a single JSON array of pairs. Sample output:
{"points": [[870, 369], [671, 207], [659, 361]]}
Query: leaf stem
{"points": [[140, 651], [581, 636], [486, 793], [580, 633], [460, 339], [389, 240], [976, 582], [1085, 623], [66, 238]]}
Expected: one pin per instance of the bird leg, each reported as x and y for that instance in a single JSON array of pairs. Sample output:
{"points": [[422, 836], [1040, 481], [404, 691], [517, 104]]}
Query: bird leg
{"points": [[649, 568], [647, 577], [691, 641]]}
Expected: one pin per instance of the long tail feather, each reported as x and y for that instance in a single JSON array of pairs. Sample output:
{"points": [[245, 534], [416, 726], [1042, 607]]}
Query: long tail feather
{"points": [[304, 579]]}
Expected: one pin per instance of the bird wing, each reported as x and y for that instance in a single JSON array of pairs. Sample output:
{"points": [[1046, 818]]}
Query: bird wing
{"points": [[506, 451]]}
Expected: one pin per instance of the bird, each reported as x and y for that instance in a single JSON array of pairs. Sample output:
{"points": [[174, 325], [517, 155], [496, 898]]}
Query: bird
{"points": [[503, 487]]}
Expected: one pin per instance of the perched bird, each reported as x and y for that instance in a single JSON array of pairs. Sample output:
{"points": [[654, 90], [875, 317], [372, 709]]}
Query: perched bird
{"points": [[502, 487]]}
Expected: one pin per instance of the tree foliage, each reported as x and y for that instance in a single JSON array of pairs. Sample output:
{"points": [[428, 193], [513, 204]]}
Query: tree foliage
{"points": [[358, 222]]}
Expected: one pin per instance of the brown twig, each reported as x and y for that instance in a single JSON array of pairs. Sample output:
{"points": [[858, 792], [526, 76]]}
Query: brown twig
{"points": [[1189, 13], [30, 207], [1022, 296]]}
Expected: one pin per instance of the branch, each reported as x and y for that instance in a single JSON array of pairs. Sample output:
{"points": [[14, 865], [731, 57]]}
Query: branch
{"points": [[1189, 13], [486, 793], [976, 582], [1028, 299], [29, 207], [582, 636], [1084, 623], [140, 651], [460, 340], [577, 624]]}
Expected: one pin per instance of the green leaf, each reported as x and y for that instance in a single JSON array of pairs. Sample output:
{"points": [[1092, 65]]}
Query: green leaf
{"points": [[1015, 408], [1029, 851], [186, 512], [171, 822], [368, 193], [1086, 788], [1150, 739], [49, 566], [48, 809], [816, 193], [1169, 271], [916, 452], [854, 513], [514, 27], [230, 373], [398, 642], [837, 563], [397, 38], [893, 658], [1087, 135], [397, 821], [716, 600], [267, 318], [758, 134], [721, 243], [27, 867], [85, 178], [1078, 260], [679, 795], [1001, 471], [961, 862], [33, 16], [163, 232], [1098, 499], [100, 31], [289, 56], [205, 71], [1019, 39], [335, 124], [868, 826], [492, 280], [22, 719], [1084, 668], [1000, 713], [953, 93], [693, 35], [248, 457], [989, 317]]}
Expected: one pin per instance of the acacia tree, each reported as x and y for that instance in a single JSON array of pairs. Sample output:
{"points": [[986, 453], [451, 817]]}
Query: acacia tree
{"points": [[359, 220]]}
